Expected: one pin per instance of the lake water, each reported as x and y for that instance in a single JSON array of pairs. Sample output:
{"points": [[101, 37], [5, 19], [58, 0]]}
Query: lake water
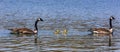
{"points": [[76, 16]]}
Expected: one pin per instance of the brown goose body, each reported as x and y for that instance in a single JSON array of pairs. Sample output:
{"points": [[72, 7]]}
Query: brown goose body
{"points": [[22, 31], [25, 30], [100, 31], [103, 30]]}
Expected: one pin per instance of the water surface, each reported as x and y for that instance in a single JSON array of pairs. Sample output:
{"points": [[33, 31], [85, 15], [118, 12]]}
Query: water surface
{"points": [[76, 16]]}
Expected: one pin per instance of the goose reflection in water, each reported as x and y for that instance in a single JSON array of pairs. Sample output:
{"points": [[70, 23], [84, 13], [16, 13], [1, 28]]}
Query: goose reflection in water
{"points": [[109, 37], [35, 38], [37, 41]]}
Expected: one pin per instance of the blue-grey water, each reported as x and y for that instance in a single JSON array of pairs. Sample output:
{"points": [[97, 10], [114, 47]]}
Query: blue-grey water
{"points": [[76, 16]]}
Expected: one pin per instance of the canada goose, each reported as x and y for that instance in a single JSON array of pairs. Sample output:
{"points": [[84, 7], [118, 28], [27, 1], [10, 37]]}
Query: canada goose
{"points": [[26, 30], [104, 30]]}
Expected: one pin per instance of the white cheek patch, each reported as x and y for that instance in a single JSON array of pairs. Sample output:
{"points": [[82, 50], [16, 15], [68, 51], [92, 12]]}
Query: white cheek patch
{"points": [[111, 30], [95, 32], [35, 31]]}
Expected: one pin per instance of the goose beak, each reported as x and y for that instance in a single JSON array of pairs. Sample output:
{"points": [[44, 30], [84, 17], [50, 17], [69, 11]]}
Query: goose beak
{"points": [[113, 18], [41, 19]]}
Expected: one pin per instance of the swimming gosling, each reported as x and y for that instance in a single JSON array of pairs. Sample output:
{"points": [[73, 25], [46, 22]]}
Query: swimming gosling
{"points": [[103, 30], [26, 30]]}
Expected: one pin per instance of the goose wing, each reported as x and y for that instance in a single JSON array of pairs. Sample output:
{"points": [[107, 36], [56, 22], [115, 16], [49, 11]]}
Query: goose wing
{"points": [[21, 30], [25, 31], [100, 30]]}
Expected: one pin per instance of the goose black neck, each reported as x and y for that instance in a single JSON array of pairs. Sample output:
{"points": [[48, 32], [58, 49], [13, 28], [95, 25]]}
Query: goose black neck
{"points": [[36, 25], [110, 23]]}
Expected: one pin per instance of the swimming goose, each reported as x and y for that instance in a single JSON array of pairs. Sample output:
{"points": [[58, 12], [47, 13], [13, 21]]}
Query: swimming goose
{"points": [[104, 30], [26, 30], [57, 31], [65, 32]]}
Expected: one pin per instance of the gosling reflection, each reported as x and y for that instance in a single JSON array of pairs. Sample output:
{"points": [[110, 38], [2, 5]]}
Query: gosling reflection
{"points": [[57, 32], [65, 32]]}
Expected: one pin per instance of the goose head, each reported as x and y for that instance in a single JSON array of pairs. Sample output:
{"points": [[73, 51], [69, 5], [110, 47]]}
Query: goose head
{"points": [[36, 29], [112, 18], [39, 19]]}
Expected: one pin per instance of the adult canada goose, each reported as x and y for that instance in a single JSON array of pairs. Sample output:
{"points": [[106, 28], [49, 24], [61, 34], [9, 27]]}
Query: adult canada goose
{"points": [[26, 30], [104, 30]]}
